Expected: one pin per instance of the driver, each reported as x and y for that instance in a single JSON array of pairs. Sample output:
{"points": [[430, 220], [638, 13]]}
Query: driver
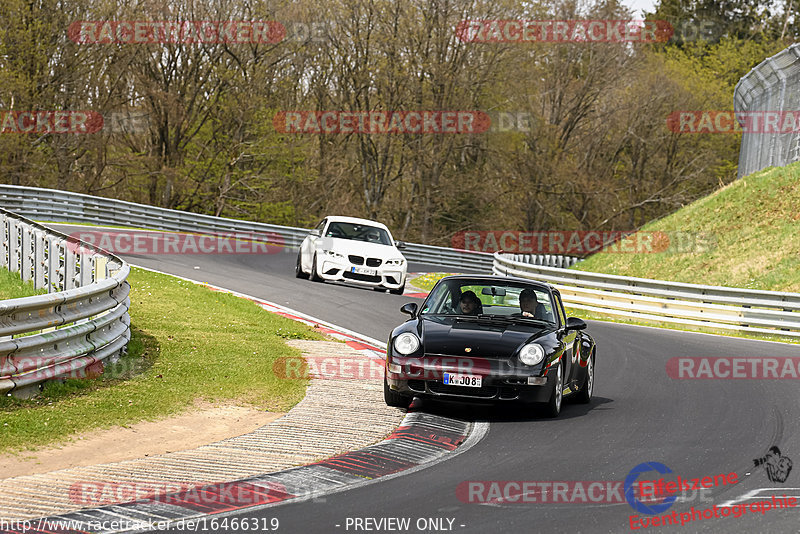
{"points": [[469, 303], [529, 305]]}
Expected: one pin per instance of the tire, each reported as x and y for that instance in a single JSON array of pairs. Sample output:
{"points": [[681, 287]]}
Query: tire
{"points": [[314, 276], [398, 291], [298, 270], [584, 395], [553, 407], [394, 399]]}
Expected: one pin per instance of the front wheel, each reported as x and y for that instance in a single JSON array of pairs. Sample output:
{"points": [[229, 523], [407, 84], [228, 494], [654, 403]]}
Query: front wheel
{"points": [[398, 291], [298, 270], [314, 276], [584, 396], [394, 399], [553, 406]]}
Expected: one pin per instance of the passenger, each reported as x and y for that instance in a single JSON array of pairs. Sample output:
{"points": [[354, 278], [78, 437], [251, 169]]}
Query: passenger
{"points": [[469, 303]]}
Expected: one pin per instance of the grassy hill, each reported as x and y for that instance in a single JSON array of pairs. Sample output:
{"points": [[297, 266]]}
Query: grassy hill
{"points": [[750, 228]]}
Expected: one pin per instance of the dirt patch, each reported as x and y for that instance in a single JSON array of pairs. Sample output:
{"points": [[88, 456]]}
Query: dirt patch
{"points": [[200, 426]]}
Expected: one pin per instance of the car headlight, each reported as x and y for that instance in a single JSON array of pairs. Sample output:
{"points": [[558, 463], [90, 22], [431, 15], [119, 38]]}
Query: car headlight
{"points": [[333, 253], [531, 354], [396, 261], [406, 343]]}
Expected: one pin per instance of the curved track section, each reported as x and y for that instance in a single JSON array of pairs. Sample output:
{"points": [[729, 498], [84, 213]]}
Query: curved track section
{"points": [[697, 428]]}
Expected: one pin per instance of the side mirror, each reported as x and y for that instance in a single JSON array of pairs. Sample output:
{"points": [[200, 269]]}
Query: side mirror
{"points": [[410, 308], [315, 232], [400, 245], [573, 323]]}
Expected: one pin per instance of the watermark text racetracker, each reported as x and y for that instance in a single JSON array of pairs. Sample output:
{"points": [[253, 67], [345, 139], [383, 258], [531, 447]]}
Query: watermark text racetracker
{"points": [[151, 242], [58, 122], [334, 368], [734, 368], [195, 32], [580, 243], [730, 122], [381, 122], [236, 494], [563, 31], [540, 491]]}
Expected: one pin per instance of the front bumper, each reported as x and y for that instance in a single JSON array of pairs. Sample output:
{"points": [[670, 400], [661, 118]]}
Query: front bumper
{"points": [[422, 380], [342, 270]]}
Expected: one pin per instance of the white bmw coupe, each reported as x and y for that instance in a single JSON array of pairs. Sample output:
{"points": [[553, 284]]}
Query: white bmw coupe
{"points": [[358, 251]]}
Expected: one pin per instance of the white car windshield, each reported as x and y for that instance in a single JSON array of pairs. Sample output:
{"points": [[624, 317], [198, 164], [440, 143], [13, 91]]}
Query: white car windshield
{"points": [[358, 232]]}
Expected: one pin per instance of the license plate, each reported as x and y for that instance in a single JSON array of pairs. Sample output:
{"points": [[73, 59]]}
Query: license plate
{"points": [[364, 270], [473, 381]]}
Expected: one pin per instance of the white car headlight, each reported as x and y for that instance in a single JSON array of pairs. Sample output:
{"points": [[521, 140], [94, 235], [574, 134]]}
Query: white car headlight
{"points": [[406, 343], [531, 354], [333, 253], [396, 261]]}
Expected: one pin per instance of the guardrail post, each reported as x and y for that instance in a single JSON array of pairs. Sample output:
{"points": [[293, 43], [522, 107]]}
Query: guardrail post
{"points": [[3, 240], [26, 255], [86, 268], [100, 268], [13, 246], [39, 265], [53, 264], [70, 266]]}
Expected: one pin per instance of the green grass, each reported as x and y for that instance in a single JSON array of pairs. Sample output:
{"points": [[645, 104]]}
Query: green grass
{"points": [[753, 224], [189, 344], [428, 280], [12, 286]]}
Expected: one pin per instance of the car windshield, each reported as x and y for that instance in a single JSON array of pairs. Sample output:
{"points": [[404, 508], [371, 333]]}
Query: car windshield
{"points": [[500, 299], [358, 232]]}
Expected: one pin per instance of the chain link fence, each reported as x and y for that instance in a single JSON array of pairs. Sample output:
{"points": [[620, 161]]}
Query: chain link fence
{"points": [[771, 86]]}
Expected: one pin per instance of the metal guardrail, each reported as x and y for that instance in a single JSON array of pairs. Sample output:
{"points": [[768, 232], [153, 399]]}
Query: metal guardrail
{"points": [[67, 207], [770, 86], [83, 320], [728, 308]]}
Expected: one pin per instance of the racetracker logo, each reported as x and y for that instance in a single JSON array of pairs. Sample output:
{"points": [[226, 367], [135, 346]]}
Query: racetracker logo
{"points": [[543, 492], [296, 368], [36, 369], [180, 32], [434, 367], [381, 122], [733, 368], [581, 243], [60, 122], [93, 494], [564, 31], [154, 243], [730, 122]]}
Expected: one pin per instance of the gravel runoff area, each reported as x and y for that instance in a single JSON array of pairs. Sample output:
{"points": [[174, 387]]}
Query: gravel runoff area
{"points": [[336, 416]]}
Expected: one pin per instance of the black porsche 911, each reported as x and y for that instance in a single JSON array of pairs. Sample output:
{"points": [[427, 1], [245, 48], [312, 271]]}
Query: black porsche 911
{"points": [[490, 339]]}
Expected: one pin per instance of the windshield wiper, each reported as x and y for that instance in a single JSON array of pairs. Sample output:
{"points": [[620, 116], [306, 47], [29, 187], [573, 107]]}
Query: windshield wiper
{"points": [[509, 319]]}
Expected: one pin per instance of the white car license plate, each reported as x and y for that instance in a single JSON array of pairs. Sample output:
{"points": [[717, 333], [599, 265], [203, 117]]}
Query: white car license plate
{"points": [[364, 270], [473, 381]]}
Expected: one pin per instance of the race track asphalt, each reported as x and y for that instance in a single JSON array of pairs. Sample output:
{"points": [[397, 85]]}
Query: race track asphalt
{"points": [[639, 414]]}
